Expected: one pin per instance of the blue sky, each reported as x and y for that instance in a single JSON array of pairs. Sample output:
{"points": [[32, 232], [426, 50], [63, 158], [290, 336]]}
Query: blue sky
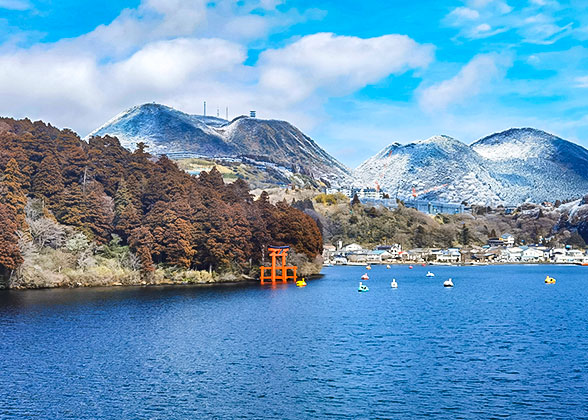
{"points": [[356, 76]]}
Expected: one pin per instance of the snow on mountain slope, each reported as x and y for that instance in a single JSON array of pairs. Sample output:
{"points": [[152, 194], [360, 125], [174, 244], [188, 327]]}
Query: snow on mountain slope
{"points": [[427, 164], [271, 143], [510, 167]]}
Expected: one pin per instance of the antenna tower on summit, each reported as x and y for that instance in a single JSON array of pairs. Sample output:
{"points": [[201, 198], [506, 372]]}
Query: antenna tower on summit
{"points": [[205, 108]]}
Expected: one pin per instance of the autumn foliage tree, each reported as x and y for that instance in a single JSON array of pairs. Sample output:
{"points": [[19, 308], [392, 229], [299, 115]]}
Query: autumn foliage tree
{"points": [[165, 215], [10, 256]]}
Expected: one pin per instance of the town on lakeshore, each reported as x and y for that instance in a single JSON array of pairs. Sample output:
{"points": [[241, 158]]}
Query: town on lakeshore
{"points": [[500, 250]]}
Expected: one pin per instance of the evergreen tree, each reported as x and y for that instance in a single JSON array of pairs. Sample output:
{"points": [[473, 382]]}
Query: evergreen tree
{"points": [[122, 198], [355, 201], [141, 242], [48, 181], [10, 257], [12, 194], [464, 235]]}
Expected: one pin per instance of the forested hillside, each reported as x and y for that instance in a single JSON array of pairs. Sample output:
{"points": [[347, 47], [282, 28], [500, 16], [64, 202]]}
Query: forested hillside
{"points": [[57, 191]]}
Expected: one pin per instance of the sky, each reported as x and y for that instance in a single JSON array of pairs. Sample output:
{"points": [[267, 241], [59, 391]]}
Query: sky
{"points": [[354, 75]]}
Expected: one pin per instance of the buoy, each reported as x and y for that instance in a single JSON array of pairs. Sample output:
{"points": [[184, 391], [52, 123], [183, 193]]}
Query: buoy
{"points": [[423, 264], [410, 266], [448, 283], [394, 285]]}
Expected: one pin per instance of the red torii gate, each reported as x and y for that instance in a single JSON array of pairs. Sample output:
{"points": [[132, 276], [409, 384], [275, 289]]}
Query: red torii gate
{"points": [[278, 251]]}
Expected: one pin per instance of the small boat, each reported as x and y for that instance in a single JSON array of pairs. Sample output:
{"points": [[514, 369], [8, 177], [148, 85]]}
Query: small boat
{"points": [[362, 288], [394, 285], [448, 283], [368, 267], [429, 274], [388, 266], [301, 283], [365, 277], [549, 280]]}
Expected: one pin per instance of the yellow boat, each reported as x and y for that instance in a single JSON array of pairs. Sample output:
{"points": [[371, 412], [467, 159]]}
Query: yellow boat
{"points": [[301, 283], [549, 280]]}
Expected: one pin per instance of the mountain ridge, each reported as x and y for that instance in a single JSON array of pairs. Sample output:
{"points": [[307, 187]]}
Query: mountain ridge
{"points": [[507, 167], [273, 144]]}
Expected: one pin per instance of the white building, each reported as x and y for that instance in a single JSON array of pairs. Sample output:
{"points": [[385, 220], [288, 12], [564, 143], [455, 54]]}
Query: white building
{"points": [[532, 255], [352, 248]]}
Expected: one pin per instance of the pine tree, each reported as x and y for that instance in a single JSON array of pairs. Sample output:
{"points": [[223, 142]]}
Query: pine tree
{"points": [[128, 221], [48, 181], [12, 194], [99, 212], [122, 198], [465, 235], [10, 257], [71, 209], [142, 242]]}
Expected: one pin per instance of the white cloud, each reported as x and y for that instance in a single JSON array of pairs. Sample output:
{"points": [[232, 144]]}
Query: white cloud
{"points": [[338, 64], [582, 82], [166, 51], [474, 78], [464, 13], [15, 5]]}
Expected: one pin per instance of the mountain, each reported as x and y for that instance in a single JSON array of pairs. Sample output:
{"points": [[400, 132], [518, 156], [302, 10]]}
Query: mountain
{"points": [[276, 147], [509, 167]]}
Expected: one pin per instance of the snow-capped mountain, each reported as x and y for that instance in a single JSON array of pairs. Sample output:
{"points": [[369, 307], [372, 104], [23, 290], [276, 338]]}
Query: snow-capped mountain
{"points": [[510, 167], [274, 144]]}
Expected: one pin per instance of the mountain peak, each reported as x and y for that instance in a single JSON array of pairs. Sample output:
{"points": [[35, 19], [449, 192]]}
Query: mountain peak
{"points": [[265, 143]]}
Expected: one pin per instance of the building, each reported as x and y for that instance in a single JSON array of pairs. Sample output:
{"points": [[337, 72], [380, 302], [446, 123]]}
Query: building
{"points": [[436, 207], [506, 240], [352, 248]]}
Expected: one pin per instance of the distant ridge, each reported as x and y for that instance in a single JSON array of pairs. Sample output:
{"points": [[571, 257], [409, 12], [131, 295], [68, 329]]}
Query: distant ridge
{"points": [[509, 167]]}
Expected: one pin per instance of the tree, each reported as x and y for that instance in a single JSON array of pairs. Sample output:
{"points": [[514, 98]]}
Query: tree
{"points": [[141, 242], [10, 256], [11, 193], [48, 181], [355, 201], [127, 221], [464, 235], [122, 198], [99, 213]]}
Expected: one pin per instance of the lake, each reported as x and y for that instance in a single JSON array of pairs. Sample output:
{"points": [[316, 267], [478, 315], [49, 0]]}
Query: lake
{"points": [[500, 344]]}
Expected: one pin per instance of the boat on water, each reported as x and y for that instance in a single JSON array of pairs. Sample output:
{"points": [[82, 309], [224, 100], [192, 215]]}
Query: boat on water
{"points": [[388, 266], [362, 288], [429, 274], [448, 283], [394, 285], [368, 267], [365, 277], [301, 283], [410, 266], [549, 280]]}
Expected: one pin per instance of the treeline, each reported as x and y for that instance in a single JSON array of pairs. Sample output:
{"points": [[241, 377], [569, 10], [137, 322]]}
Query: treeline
{"points": [[342, 220], [163, 214]]}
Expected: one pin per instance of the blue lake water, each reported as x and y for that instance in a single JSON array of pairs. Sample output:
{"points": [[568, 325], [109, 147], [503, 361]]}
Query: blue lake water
{"points": [[500, 344]]}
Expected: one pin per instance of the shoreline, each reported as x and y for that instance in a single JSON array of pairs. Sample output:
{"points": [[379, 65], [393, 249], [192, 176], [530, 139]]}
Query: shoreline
{"points": [[220, 280]]}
